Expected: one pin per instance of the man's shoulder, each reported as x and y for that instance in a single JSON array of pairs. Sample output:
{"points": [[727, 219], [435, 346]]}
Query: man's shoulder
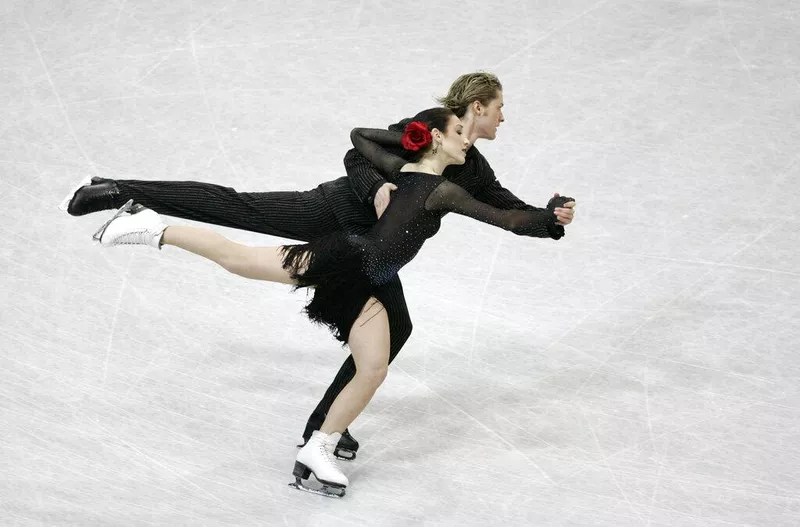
{"points": [[400, 125], [474, 155]]}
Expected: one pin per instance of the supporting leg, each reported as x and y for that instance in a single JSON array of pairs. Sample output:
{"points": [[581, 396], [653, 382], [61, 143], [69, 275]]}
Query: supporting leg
{"points": [[369, 344], [400, 325]]}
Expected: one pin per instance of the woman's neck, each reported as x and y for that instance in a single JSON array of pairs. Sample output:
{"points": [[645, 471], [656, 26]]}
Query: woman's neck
{"points": [[427, 165]]}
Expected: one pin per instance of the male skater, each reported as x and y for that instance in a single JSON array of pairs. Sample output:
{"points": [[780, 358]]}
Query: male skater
{"points": [[352, 203]]}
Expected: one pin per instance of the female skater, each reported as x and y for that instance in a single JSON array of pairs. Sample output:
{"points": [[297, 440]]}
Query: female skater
{"points": [[352, 203], [347, 271]]}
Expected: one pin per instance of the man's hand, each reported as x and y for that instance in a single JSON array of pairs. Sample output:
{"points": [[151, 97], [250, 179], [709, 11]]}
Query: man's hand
{"points": [[383, 197], [564, 214]]}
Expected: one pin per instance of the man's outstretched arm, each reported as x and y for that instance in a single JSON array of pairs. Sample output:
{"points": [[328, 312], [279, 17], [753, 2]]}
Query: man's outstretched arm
{"points": [[492, 192]]}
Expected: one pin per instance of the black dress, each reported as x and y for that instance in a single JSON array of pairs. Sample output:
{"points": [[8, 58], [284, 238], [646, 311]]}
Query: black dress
{"points": [[345, 270]]}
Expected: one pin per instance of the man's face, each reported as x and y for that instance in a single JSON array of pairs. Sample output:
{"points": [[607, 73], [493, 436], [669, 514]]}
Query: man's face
{"points": [[490, 118]]}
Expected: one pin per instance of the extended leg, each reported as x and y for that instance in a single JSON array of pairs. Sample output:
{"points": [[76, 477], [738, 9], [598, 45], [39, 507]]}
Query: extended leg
{"points": [[257, 263], [294, 215], [144, 227]]}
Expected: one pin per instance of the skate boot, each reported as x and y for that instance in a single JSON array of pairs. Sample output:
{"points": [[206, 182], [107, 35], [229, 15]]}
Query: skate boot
{"points": [[132, 225], [92, 195], [346, 448], [317, 457]]}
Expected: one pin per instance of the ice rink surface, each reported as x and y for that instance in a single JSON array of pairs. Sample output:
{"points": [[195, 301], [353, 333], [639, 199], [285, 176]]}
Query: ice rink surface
{"points": [[642, 371]]}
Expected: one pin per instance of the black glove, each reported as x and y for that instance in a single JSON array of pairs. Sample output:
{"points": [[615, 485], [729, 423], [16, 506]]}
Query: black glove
{"points": [[558, 202], [556, 231]]}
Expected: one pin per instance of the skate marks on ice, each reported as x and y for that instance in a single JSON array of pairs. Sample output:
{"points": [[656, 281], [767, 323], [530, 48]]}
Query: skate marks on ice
{"points": [[323, 488]]}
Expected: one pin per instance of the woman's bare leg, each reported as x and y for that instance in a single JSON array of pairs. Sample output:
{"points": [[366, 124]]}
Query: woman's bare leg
{"points": [[369, 344], [258, 263], [368, 339]]}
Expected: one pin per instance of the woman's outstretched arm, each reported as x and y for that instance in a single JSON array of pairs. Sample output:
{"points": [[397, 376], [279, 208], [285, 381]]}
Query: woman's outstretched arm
{"points": [[538, 222], [370, 141]]}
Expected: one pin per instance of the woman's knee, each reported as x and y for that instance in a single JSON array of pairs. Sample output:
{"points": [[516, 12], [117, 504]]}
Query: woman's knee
{"points": [[370, 342], [373, 373], [231, 261], [238, 262]]}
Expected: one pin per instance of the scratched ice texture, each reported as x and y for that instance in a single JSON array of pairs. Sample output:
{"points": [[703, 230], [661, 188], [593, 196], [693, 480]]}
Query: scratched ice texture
{"points": [[642, 371]]}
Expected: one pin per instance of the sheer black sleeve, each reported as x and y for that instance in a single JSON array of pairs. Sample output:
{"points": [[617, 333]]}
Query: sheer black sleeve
{"points": [[370, 143], [365, 179], [478, 178], [450, 197]]}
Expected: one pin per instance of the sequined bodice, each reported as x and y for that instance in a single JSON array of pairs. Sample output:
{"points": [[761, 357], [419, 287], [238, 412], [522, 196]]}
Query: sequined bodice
{"points": [[402, 229]]}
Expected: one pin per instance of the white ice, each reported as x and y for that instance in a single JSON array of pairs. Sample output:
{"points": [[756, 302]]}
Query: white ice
{"points": [[643, 370]]}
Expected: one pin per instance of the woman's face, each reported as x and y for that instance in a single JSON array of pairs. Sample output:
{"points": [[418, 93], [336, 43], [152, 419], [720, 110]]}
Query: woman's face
{"points": [[454, 143]]}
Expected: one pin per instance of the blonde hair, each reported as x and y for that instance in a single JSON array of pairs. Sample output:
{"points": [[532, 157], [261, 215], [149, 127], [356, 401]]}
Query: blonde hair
{"points": [[479, 86]]}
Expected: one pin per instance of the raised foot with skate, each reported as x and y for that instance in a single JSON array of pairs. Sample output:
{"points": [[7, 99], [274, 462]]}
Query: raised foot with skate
{"points": [[92, 194], [131, 224]]}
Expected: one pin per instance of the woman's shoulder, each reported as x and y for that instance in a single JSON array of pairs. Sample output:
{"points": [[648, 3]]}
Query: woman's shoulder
{"points": [[413, 172], [408, 168]]}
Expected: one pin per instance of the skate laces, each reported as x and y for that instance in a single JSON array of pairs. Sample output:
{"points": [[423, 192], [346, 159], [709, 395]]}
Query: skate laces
{"points": [[132, 238], [327, 451], [135, 234]]}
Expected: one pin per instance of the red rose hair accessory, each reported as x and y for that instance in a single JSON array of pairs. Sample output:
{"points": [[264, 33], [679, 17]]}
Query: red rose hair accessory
{"points": [[416, 136]]}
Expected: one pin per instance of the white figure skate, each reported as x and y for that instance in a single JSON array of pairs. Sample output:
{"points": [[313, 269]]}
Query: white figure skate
{"points": [[132, 225], [317, 457]]}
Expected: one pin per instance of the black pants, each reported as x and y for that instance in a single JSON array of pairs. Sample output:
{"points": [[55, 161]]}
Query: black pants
{"points": [[295, 215]]}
